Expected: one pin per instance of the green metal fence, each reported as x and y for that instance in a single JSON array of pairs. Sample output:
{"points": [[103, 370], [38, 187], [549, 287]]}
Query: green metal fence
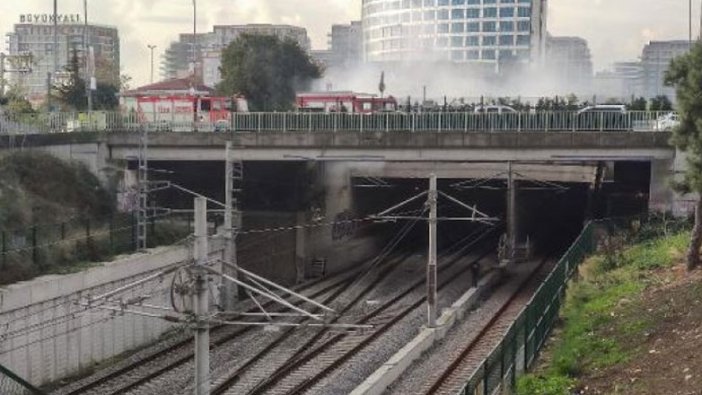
{"points": [[521, 344], [27, 252]]}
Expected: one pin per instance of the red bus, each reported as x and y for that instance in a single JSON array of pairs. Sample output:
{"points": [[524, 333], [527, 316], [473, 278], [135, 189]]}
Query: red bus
{"points": [[349, 102]]}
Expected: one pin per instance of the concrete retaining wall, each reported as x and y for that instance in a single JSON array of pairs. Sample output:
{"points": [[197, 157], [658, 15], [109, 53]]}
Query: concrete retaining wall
{"points": [[45, 336], [342, 242]]}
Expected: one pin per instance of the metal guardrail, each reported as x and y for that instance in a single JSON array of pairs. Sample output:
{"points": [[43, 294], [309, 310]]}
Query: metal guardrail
{"points": [[341, 122]]}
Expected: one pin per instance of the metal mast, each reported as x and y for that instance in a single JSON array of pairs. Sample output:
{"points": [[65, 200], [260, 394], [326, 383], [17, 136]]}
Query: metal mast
{"points": [[200, 301], [234, 177], [143, 178], [431, 263], [511, 213]]}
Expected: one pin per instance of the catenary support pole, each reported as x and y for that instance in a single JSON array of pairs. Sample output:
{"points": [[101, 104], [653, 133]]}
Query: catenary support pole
{"points": [[431, 264], [511, 213], [229, 289], [201, 302]]}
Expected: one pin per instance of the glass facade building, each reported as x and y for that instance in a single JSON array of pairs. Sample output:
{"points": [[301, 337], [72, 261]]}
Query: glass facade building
{"points": [[489, 31]]}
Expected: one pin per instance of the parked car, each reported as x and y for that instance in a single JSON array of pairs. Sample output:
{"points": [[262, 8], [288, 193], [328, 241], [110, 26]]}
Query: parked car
{"points": [[603, 117], [494, 109], [667, 122]]}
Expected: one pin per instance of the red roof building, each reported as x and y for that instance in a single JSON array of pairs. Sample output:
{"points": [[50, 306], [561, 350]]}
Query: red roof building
{"points": [[174, 87]]}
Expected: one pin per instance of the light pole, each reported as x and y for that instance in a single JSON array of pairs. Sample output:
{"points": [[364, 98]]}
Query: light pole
{"points": [[194, 37], [152, 47], [87, 58]]}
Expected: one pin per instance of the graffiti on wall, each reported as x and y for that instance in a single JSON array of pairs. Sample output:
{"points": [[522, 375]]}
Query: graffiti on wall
{"points": [[344, 226]]}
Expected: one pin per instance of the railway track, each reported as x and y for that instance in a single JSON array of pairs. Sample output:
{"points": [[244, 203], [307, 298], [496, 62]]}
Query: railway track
{"points": [[266, 358], [463, 361], [133, 375], [326, 351]]}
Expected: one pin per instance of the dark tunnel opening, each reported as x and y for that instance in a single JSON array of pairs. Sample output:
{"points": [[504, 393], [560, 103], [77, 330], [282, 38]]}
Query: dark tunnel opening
{"points": [[551, 218]]}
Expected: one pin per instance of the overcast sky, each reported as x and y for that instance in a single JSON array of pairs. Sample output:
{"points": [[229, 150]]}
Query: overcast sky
{"points": [[615, 29]]}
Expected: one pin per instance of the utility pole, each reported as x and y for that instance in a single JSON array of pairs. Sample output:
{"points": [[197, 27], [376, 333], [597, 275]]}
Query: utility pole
{"points": [[431, 264], [200, 301], [152, 47]]}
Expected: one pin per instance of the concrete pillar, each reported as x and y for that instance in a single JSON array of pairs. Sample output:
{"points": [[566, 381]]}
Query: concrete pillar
{"points": [[128, 187], [682, 205], [661, 193]]}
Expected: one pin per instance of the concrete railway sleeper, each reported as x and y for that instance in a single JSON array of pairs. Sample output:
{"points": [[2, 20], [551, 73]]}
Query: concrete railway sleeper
{"points": [[181, 351], [357, 343], [449, 380]]}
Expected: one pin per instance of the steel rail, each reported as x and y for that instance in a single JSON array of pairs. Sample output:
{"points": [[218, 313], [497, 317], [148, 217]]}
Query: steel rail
{"points": [[311, 381], [181, 344], [485, 329]]}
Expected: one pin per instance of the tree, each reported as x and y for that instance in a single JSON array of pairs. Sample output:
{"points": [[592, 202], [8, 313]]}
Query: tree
{"points": [[661, 103], [16, 103], [72, 92], [267, 70], [685, 74], [638, 104], [105, 97]]}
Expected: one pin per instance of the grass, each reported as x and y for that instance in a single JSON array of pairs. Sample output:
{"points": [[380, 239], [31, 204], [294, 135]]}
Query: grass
{"points": [[597, 323]]}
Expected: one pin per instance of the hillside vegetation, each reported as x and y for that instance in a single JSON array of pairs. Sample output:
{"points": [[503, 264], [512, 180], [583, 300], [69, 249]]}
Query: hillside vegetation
{"points": [[54, 217], [37, 188], [630, 325]]}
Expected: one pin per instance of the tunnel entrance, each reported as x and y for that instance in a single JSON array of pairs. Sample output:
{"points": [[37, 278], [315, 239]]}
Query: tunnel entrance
{"points": [[284, 195]]}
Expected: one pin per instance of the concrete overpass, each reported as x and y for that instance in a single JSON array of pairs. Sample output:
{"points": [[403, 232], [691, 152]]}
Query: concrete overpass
{"points": [[398, 146], [400, 154]]}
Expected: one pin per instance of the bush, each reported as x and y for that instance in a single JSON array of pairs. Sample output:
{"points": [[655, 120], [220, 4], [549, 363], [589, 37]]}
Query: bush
{"points": [[539, 385]]}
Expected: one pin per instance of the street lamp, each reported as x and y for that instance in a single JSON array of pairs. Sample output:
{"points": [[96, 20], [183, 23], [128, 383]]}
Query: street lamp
{"points": [[87, 58], [194, 37], [152, 47]]}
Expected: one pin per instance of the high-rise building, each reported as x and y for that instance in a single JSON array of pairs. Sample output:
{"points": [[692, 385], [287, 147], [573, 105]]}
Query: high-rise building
{"points": [[225, 34], [33, 36], [345, 46], [346, 43], [486, 31], [177, 60], [655, 60], [569, 62], [624, 81]]}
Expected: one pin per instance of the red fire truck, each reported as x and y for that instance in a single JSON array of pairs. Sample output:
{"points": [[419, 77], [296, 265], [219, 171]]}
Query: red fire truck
{"points": [[350, 102], [179, 112]]}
